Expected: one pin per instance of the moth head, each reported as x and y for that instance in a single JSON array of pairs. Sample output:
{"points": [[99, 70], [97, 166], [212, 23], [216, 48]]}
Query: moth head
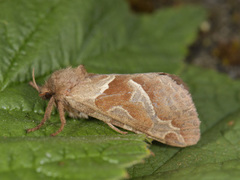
{"points": [[44, 91], [60, 82]]}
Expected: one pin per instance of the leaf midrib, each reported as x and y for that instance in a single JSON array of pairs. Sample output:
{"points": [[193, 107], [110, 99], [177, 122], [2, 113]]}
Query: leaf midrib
{"points": [[26, 40]]}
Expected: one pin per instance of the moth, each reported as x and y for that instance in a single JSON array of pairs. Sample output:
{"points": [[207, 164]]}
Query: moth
{"points": [[156, 104]]}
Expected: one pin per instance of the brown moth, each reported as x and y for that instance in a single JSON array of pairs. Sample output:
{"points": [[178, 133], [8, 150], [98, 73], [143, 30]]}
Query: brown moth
{"points": [[156, 104]]}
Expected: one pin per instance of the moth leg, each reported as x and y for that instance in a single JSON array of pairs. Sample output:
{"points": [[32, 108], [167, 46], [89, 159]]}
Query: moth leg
{"points": [[46, 115], [116, 129], [62, 117]]}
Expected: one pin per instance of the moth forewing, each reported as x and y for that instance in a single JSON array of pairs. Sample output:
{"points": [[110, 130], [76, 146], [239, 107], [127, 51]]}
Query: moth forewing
{"points": [[144, 103], [156, 104]]}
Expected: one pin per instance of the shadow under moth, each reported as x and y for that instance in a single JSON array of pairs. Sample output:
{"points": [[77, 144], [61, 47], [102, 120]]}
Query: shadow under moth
{"points": [[156, 104]]}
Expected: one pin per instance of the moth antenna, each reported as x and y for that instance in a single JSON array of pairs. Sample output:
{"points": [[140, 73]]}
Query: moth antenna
{"points": [[34, 82]]}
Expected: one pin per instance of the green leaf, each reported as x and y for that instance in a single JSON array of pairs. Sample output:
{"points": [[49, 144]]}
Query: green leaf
{"points": [[69, 157], [107, 38]]}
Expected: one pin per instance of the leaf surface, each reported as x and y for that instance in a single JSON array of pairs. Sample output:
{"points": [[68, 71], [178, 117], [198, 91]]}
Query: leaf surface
{"points": [[107, 38]]}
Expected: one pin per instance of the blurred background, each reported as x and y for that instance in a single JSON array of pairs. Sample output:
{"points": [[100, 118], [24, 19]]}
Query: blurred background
{"points": [[218, 43]]}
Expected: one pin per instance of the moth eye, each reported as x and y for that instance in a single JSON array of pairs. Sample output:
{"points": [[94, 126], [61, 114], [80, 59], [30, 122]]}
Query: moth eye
{"points": [[46, 95]]}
